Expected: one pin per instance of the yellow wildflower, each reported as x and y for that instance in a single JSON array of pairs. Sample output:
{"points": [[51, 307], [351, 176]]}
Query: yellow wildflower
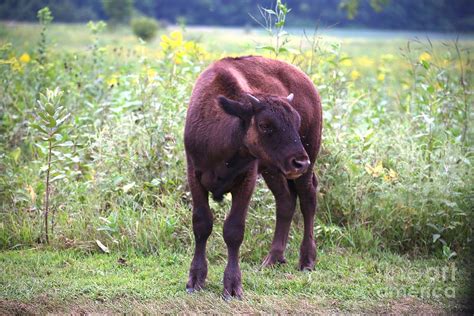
{"points": [[355, 75], [390, 176], [31, 192], [165, 42], [112, 80], [189, 46], [178, 57], [177, 36], [381, 77], [424, 57], [16, 66], [365, 61], [175, 48], [375, 171], [173, 41], [201, 52], [346, 63], [151, 74], [316, 77], [13, 62], [388, 57], [25, 58]]}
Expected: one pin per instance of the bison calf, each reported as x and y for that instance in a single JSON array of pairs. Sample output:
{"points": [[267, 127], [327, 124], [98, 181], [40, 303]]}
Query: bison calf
{"points": [[251, 115]]}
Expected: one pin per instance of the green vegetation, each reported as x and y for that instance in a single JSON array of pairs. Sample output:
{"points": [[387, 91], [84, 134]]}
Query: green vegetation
{"points": [[394, 170], [425, 15], [144, 28], [91, 151], [118, 11], [352, 6]]}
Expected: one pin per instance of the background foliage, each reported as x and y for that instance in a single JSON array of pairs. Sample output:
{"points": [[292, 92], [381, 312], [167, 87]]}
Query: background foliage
{"points": [[118, 11], [427, 15], [96, 128], [145, 28]]}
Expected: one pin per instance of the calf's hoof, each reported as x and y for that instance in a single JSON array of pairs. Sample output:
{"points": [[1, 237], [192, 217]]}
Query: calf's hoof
{"points": [[197, 280], [307, 265], [232, 284], [272, 259], [307, 257]]}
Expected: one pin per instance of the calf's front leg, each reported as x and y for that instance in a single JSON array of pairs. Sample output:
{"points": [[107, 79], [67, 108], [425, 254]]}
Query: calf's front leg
{"points": [[202, 228], [234, 227], [285, 197], [306, 189]]}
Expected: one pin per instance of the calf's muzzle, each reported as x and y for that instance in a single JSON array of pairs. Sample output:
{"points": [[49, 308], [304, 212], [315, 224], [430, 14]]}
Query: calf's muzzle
{"points": [[296, 165]]}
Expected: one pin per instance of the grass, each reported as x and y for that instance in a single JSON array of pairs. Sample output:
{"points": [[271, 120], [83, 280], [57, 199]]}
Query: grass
{"points": [[42, 281]]}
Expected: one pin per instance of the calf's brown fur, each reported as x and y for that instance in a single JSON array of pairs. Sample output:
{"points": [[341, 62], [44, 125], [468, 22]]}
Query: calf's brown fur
{"points": [[251, 115]]}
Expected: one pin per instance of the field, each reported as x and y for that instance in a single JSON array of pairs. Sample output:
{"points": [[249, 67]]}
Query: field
{"points": [[91, 135]]}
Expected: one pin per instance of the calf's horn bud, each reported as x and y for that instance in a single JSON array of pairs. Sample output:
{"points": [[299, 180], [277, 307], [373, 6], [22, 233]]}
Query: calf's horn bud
{"points": [[253, 98], [290, 97]]}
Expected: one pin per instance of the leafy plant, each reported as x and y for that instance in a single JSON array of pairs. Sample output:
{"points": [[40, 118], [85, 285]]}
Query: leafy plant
{"points": [[96, 28], [45, 18], [274, 23], [51, 117]]}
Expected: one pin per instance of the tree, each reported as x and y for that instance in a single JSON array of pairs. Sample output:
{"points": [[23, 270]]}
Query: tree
{"points": [[118, 11], [352, 6]]}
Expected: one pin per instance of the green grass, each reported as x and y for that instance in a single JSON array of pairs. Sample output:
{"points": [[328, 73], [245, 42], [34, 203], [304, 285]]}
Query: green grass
{"points": [[52, 281]]}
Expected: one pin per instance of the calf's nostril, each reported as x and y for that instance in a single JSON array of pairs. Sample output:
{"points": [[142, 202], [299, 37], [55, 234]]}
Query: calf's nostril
{"points": [[296, 164], [299, 164]]}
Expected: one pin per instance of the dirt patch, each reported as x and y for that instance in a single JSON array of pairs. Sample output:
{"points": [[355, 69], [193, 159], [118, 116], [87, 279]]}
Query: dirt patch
{"points": [[203, 304], [211, 304], [409, 306], [16, 308], [43, 305]]}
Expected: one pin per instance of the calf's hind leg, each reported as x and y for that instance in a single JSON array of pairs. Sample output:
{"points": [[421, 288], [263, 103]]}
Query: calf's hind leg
{"points": [[202, 228]]}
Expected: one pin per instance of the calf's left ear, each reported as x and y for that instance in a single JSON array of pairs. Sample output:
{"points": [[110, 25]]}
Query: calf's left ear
{"points": [[235, 108]]}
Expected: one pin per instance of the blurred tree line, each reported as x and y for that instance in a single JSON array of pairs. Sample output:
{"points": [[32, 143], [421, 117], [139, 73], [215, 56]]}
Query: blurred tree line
{"points": [[429, 15]]}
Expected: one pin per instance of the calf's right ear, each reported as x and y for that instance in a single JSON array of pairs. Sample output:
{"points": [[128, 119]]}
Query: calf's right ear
{"points": [[234, 108]]}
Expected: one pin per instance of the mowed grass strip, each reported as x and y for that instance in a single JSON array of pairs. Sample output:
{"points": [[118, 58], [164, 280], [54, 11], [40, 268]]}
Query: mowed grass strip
{"points": [[58, 281]]}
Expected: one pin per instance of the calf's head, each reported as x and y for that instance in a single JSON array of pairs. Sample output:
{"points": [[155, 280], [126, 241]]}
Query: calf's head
{"points": [[271, 131]]}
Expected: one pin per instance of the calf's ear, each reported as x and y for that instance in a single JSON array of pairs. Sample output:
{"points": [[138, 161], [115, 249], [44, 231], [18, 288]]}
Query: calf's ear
{"points": [[235, 108]]}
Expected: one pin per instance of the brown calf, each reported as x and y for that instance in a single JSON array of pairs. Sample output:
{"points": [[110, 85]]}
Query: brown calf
{"points": [[251, 115]]}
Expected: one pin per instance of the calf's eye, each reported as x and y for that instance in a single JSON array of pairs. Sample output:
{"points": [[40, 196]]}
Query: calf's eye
{"points": [[265, 127]]}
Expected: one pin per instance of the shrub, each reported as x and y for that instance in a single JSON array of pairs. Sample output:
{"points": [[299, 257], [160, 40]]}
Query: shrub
{"points": [[118, 11], [144, 28]]}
